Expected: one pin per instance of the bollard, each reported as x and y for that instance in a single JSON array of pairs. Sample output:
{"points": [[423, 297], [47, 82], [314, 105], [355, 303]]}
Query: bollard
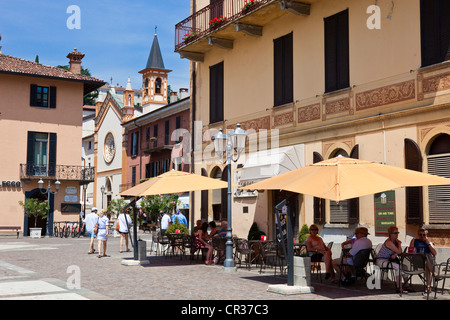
{"points": [[302, 271], [142, 250]]}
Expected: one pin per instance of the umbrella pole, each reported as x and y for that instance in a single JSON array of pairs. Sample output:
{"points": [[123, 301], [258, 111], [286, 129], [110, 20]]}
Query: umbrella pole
{"points": [[290, 246], [135, 230]]}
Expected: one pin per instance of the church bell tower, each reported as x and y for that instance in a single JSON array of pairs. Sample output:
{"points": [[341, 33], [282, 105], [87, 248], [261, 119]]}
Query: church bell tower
{"points": [[154, 80]]}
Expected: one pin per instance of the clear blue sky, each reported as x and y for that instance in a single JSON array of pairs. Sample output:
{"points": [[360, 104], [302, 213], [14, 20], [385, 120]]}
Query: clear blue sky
{"points": [[116, 36]]}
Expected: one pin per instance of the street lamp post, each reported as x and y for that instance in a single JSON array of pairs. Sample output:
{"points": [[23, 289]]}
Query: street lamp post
{"points": [[48, 192], [102, 189], [224, 145]]}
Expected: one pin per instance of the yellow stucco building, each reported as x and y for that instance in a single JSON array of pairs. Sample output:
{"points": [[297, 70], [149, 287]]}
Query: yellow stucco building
{"points": [[318, 79]]}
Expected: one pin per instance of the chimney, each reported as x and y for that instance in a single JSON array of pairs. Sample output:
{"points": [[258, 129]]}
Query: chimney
{"points": [[75, 61], [184, 93], [173, 97]]}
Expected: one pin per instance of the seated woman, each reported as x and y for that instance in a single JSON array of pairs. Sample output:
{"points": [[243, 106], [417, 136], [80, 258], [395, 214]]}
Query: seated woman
{"points": [[422, 244], [214, 230], [318, 251], [388, 253], [201, 241]]}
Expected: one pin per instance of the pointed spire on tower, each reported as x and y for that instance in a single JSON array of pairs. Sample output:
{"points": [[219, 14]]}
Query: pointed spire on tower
{"points": [[129, 85], [155, 59]]}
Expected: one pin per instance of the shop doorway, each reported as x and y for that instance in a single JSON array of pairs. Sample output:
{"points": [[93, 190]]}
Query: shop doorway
{"points": [[29, 221]]}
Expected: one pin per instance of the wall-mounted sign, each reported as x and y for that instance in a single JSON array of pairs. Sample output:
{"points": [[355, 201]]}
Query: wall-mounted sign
{"points": [[11, 184], [71, 190], [70, 198], [384, 203]]}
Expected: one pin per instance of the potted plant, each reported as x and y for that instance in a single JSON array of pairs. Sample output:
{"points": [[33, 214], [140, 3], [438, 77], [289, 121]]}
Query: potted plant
{"points": [[35, 208], [303, 234], [178, 228]]}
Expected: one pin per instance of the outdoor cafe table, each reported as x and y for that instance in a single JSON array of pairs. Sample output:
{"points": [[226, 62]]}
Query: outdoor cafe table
{"points": [[176, 242]]}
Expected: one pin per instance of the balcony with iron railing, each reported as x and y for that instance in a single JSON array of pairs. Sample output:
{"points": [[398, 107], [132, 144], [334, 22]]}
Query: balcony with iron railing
{"points": [[57, 172], [223, 21]]}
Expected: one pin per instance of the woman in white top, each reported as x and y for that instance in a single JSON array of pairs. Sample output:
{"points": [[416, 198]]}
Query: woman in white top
{"points": [[102, 235], [125, 222]]}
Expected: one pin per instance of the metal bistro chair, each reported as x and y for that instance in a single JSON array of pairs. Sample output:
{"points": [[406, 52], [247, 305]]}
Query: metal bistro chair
{"points": [[360, 262], [442, 273], [243, 250], [164, 243], [269, 254], [189, 244], [219, 246], [413, 264], [281, 258], [155, 243], [387, 268], [316, 262]]}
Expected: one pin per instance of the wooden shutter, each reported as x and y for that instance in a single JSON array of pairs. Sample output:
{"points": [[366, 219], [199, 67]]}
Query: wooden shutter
{"points": [[283, 70], [414, 195], [30, 153], [134, 143], [435, 31], [439, 196], [52, 101], [319, 204], [337, 52], [33, 95], [353, 205], [52, 155], [216, 93]]}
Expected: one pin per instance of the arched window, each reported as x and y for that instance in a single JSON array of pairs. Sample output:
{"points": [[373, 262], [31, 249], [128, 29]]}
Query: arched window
{"points": [[158, 83], [146, 86], [414, 195], [339, 210], [439, 164]]}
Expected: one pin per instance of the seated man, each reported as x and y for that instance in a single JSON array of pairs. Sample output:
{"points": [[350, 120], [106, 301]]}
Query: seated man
{"points": [[360, 243]]}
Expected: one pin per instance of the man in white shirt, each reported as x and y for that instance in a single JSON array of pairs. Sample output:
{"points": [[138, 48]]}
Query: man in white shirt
{"points": [[165, 221], [90, 221], [361, 243]]}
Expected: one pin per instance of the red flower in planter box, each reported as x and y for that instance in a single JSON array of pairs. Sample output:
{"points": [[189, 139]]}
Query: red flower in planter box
{"points": [[248, 4], [217, 21]]}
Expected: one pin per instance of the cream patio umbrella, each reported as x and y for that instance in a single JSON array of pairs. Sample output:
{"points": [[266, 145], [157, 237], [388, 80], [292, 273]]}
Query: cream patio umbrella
{"points": [[344, 178], [170, 182], [174, 182]]}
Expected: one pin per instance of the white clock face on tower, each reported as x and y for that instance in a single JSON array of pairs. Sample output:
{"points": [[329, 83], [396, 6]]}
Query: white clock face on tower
{"points": [[110, 147]]}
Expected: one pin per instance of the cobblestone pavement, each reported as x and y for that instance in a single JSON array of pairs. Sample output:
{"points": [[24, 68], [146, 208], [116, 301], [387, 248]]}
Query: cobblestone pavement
{"points": [[47, 268]]}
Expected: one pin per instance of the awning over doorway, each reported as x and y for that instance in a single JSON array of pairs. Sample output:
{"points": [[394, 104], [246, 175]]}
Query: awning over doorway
{"points": [[269, 163]]}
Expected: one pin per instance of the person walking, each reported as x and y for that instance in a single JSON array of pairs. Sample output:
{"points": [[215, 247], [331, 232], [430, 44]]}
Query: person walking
{"points": [[124, 221], [89, 222], [165, 222], [102, 235]]}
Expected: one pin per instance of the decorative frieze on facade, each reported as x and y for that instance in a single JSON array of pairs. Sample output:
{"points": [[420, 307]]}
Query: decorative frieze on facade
{"points": [[283, 119], [308, 113], [389, 94], [429, 86]]}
